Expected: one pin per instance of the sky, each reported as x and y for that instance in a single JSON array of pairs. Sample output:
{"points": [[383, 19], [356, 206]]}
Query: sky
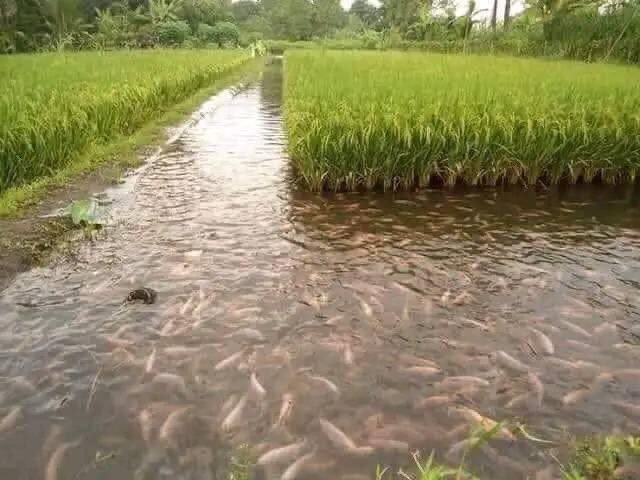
{"points": [[461, 6]]}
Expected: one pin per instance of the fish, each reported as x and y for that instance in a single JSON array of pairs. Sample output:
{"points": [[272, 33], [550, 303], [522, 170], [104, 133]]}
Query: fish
{"points": [[445, 297], [151, 360], [248, 333], [519, 401], [537, 388], [543, 342], [326, 382], [232, 419], [228, 405], [390, 445], [294, 469], [144, 419], [455, 451], [576, 329], [230, 361], [11, 419], [337, 437], [348, 355], [180, 351], [366, 308], [474, 323], [52, 439], [171, 424], [413, 359], [53, 465], [487, 423], [627, 373], [166, 329], [285, 409], [508, 362], [464, 297], [575, 396], [282, 454], [171, 380], [462, 381], [605, 327], [334, 320], [434, 401], [187, 305], [256, 390], [423, 370], [628, 409]]}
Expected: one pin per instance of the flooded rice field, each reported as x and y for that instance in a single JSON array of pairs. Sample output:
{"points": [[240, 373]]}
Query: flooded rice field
{"points": [[351, 329]]}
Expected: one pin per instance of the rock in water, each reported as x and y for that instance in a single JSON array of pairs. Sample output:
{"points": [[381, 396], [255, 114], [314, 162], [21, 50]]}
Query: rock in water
{"points": [[147, 295]]}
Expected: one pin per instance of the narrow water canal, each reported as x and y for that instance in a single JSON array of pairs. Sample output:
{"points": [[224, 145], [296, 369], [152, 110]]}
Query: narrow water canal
{"points": [[399, 320]]}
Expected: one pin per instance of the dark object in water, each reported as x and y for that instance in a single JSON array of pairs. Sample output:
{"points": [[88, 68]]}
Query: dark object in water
{"points": [[147, 295]]}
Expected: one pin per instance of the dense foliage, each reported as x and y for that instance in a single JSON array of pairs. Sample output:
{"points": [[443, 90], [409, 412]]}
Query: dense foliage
{"points": [[395, 120], [53, 106], [584, 29]]}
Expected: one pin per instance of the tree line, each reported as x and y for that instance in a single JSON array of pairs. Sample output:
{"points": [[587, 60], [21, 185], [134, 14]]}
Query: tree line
{"points": [[577, 28]]}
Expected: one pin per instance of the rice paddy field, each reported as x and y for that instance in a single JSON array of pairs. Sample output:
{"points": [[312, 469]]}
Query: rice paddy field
{"points": [[53, 106], [396, 120]]}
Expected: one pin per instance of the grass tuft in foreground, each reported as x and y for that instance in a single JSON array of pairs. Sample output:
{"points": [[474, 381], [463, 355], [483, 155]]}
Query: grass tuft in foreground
{"points": [[395, 121], [55, 106]]}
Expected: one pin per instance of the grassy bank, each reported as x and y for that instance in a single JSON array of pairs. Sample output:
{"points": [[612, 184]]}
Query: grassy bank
{"points": [[55, 106], [394, 120]]}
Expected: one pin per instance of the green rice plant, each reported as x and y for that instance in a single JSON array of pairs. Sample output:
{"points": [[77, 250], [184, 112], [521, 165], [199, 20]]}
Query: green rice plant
{"points": [[397, 121], [53, 106]]}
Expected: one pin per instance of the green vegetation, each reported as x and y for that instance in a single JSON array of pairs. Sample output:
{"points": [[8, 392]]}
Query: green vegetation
{"points": [[605, 458], [393, 120], [582, 29], [57, 105]]}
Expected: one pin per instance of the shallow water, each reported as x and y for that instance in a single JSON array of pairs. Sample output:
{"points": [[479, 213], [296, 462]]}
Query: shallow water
{"points": [[331, 301]]}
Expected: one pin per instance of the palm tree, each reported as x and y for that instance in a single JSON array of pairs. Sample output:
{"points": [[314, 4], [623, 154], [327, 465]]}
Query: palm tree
{"points": [[507, 13], [163, 10], [494, 15]]}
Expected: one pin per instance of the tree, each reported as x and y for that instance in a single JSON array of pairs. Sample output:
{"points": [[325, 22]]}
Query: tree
{"points": [[162, 11], [225, 33], [494, 15], [292, 19], [403, 13], [367, 13], [507, 14], [328, 16], [195, 12], [242, 10]]}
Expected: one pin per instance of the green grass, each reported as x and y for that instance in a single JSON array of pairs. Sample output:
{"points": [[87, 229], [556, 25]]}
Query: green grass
{"points": [[395, 121], [53, 107]]}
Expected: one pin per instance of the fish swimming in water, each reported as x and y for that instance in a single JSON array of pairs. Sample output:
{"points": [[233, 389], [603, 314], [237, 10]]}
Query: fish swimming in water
{"points": [[172, 424], [508, 362], [282, 454], [337, 437], [53, 465], [171, 380], [230, 361], [326, 382], [232, 419], [144, 419], [285, 409], [296, 467], [256, 390], [11, 419], [543, 342], [151, 360]]}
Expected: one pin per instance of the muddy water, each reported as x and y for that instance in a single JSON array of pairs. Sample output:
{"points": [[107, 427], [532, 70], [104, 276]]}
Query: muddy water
{"points": [[353, 311]]}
